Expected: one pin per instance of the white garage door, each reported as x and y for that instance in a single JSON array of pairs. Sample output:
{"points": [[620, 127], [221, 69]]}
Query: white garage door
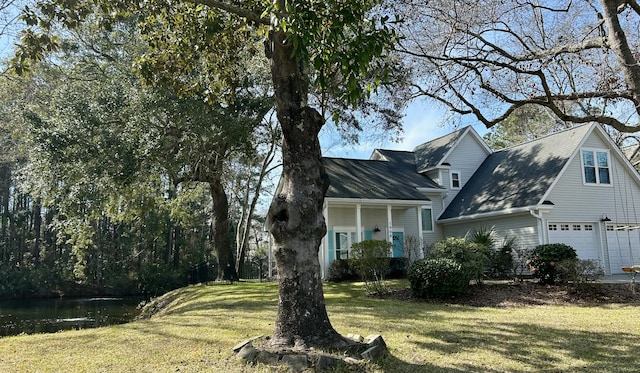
{"points": [[623, 241], [581, 236]]}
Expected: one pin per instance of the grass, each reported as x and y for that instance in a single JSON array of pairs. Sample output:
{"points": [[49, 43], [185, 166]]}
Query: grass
{"points": [[196, 332]]}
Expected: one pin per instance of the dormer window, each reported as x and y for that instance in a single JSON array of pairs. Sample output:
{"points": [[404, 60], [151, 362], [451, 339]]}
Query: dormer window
{"points": [[455, 180], [596, 168]]}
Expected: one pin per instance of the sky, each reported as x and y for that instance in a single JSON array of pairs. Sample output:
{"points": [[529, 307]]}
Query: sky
{"points": [[422, 122]]}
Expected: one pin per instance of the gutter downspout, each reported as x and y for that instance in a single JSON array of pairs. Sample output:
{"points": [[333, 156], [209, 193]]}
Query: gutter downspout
{"points": [[541, 231]]}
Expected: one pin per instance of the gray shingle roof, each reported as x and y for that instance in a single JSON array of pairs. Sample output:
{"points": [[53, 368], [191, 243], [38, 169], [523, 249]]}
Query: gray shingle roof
{"points": [[430, 153], [370, 179], [518, 176]]}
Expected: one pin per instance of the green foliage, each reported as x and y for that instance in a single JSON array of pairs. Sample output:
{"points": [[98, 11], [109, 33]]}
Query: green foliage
{"points": [[453, 263], [342, 40], [342, 270], [371, 262], [157, 279], [438, 278], [526, 123], [544, 259], [501, 260], [472, 257]]}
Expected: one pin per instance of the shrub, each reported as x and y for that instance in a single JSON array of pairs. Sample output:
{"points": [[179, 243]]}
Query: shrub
{"points": [[521, 257], [371, 262], [579, 271], [501, 259], [341, 270], [437, 278], [472, 257], [544, 259]]}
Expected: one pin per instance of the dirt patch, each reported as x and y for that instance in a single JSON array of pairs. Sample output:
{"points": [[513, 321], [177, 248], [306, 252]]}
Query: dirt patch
{"points": [[533, 294]]}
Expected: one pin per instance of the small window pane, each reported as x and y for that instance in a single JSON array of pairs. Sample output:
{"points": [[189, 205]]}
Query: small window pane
{"points": [[602, 159], [427, 223], [577, 227], [589, 174], [603, 174], [564, 227], [588, 227], [587, 158], [455, 180]]}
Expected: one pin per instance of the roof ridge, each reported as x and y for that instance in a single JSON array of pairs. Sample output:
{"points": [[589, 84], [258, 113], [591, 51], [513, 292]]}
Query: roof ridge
{"points": [[544, 137], [441, 137]]}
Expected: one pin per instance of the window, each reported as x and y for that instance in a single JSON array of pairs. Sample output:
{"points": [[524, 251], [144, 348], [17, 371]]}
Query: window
{"points": [[595, 166], [588, 227], [553, 227], [564, 227], [577, 227], [455, 180], [609, 227], [343, 244], [427, 220]]}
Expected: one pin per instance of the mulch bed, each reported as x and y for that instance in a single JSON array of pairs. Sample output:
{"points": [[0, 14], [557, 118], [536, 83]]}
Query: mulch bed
{"points": [[528, 293]]}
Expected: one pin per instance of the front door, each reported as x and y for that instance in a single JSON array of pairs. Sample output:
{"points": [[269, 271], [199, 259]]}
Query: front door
{"points": [[398, 244]]}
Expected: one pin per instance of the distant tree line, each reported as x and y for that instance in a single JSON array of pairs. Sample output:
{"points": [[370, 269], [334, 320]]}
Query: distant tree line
{"points": [[111, 186]]}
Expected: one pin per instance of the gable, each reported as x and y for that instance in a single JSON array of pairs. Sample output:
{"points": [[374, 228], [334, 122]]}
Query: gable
{"points": [[571, 192], [518, 176], [461, 148]]}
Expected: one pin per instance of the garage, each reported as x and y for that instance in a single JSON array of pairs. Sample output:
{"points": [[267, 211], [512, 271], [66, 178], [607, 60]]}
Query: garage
{"points": [[583, 237], [623, 242]]}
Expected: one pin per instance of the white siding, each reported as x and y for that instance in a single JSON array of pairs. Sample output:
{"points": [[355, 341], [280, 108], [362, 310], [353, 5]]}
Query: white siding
{"points": [[524, 227], [576, 202], [429, 238], [467, 156]]}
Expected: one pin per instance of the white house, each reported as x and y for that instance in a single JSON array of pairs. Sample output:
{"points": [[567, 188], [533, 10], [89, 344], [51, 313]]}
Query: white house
{"points": [[574, 187]]}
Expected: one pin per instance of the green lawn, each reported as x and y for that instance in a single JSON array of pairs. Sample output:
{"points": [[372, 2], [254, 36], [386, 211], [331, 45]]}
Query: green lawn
{"points": [[197, 331]]}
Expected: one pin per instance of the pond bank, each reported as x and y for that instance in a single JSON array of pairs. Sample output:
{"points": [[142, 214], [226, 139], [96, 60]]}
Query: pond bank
{"points": [[51, 315]]}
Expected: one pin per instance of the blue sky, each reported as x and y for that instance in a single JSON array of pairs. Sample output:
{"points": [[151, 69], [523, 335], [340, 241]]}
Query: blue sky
{"points": [[422, 122]]}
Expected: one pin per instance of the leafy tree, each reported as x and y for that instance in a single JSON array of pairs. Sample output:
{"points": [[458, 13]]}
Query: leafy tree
{"points": [[577, 59], [524, 124], [336, 47]]}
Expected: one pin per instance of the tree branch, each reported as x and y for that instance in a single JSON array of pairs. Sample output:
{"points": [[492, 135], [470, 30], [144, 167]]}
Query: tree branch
{"points": [[233, 9]]}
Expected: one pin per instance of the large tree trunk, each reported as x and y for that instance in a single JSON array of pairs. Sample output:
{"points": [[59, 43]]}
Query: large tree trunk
{"points": [[220, 215], [295, 215]]}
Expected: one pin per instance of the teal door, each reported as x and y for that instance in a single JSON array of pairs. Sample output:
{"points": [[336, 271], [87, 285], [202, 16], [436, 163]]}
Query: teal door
{"points": [[398, 244]]}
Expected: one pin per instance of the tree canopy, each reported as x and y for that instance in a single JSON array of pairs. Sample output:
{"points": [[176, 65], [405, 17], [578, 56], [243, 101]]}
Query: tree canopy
{"points": [[578, 59], [319, 52]]}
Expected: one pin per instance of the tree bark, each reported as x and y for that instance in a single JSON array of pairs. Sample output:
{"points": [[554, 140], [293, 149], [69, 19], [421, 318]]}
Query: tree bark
{"points": [[295, 215], [220, 217]]}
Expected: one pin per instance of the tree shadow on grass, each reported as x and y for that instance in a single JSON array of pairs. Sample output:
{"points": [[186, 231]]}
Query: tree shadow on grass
{"points": [[539, 348]]}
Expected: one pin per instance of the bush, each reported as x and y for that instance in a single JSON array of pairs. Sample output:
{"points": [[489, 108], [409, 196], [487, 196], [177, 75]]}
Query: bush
{"points": [[471, 256], [342, 270], [371, 262], [501, 260], [437, 278], [579, 271], [544, 259]]}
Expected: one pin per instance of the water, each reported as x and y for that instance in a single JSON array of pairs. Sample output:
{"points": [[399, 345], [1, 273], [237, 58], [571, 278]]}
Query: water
{"points": [[51, 315]]}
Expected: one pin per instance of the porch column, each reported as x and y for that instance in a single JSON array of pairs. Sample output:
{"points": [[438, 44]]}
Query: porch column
{"points": [[358, 222], [324, 249], [389, 224], [419, 212]]}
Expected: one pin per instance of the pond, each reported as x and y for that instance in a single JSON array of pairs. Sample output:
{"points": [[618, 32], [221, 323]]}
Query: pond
{"points": [[51, 315]]}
